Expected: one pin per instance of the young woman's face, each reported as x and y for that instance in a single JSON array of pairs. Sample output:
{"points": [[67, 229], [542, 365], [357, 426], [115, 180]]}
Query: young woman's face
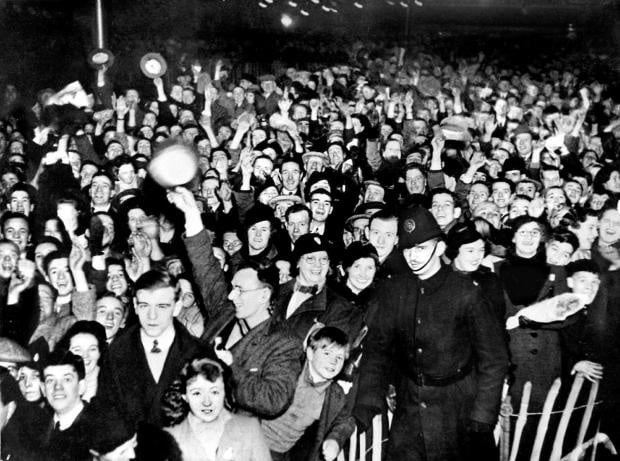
{"points": [[29, 383], [111, 314], [205, 398], [362, 273], [86, 346], [117, 282]]}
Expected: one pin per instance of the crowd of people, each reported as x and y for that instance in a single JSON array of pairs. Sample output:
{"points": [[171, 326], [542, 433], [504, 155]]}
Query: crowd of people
{"points": [[398, 233]]}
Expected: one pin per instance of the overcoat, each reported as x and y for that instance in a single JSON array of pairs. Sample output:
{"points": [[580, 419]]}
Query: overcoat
{"points": [[449, 356]]}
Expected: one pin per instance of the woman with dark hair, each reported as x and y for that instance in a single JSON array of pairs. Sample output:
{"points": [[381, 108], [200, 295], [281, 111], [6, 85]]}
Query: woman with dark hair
{"points": [[55, 228], [199, 409], [87, 339], [467, 249]]}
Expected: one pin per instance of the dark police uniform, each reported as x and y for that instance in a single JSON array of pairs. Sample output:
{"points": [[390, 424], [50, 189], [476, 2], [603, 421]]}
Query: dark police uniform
{"points": [[450, 358]]}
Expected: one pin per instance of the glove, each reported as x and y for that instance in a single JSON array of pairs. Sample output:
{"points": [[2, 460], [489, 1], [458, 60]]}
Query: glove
{"points": [[482, 442]]}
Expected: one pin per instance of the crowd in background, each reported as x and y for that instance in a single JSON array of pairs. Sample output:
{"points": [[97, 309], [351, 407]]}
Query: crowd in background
{"points": [[241, 315]]}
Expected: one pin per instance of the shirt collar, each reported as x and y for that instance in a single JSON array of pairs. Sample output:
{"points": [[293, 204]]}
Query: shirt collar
{"points": [[164, 341], [66, 419]]}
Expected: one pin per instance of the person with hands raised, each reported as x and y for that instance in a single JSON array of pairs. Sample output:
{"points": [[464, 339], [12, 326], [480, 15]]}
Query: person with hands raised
{"points": [[264, 357]]}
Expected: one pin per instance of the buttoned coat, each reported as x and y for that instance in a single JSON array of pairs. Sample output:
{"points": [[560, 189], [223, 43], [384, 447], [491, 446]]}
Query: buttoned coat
{"points": [[429, 330]]}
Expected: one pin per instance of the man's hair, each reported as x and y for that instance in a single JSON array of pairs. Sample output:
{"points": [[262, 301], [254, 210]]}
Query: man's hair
{"points": [[102, 172], [20, 186], [219, 149], [296, 208], [326, 336], [565, 236], [582, 265], [12, 215], [383, 215], [264, 157], [154, 280], [484, 183], [267, 275], [64, 357], [504, 181], [577, 216], [443, 190], [53, 255]]}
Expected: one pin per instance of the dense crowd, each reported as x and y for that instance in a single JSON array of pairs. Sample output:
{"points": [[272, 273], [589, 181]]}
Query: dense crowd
{"points": [[410, 232]]}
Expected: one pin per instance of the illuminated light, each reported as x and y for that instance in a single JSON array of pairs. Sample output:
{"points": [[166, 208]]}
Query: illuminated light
{"points": [[404, 5], [292, 4], [325, 8], [262, 5], [286, 20], [390, 2], [358, 5], [269, 1], [316, 2], [304, 13], [418, 3], [333, 10]]}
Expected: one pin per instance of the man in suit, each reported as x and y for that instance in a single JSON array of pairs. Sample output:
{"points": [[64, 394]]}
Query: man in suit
{"points": [[146, 359]]}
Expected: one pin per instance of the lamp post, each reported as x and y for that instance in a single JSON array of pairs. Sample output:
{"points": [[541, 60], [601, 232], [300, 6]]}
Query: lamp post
{"points": [[99, 25]]}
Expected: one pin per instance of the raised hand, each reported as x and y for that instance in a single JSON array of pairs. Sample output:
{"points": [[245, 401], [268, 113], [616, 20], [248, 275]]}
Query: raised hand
{"points": [[183, 199]]}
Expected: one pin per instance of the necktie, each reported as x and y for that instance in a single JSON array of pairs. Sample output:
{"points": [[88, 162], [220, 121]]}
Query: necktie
{"points": [[309, 289], [244, 328], [155, 348]]}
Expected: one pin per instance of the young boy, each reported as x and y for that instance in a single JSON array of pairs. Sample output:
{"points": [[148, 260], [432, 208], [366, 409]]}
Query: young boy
{"points": [[318, 422]]}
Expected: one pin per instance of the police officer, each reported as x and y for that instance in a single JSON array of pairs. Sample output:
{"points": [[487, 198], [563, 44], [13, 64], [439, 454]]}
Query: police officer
{"points": [[447, 348]]}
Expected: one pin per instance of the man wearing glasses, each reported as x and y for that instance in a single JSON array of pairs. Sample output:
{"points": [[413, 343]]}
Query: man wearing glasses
{"points": [[265, 359]]}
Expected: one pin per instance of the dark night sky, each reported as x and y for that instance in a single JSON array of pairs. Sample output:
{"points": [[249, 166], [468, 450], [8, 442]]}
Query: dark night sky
{"points": [[44, 40]]}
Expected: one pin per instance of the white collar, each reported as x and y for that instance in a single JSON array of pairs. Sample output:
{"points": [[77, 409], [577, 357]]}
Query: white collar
{"points": [[67, 419], [164, 341]]}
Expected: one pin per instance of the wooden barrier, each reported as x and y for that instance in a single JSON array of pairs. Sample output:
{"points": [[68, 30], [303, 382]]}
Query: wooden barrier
{"points": [[509, 444]]}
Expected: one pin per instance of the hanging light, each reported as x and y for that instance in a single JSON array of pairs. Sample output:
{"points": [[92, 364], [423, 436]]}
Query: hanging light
{"points": [[262, 5], [286, 20], [358, 5], [404, 5], [304, 13], [292, 4]]}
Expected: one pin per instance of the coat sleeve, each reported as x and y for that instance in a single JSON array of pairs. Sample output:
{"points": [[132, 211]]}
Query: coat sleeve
{"points": [[207, 272], [491, 359], [375, 365], [269, 391], [83, 304]]}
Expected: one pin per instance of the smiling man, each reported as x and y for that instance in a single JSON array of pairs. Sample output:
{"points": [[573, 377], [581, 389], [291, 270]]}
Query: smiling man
{"points": [[74, 428], [144, 361]]}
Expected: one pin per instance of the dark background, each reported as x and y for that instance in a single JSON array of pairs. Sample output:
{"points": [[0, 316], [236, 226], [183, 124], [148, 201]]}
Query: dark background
{"points": [[45, 42]]}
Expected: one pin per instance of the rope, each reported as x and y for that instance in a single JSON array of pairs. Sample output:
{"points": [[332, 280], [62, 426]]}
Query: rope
{"points": [[555, 412]]}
